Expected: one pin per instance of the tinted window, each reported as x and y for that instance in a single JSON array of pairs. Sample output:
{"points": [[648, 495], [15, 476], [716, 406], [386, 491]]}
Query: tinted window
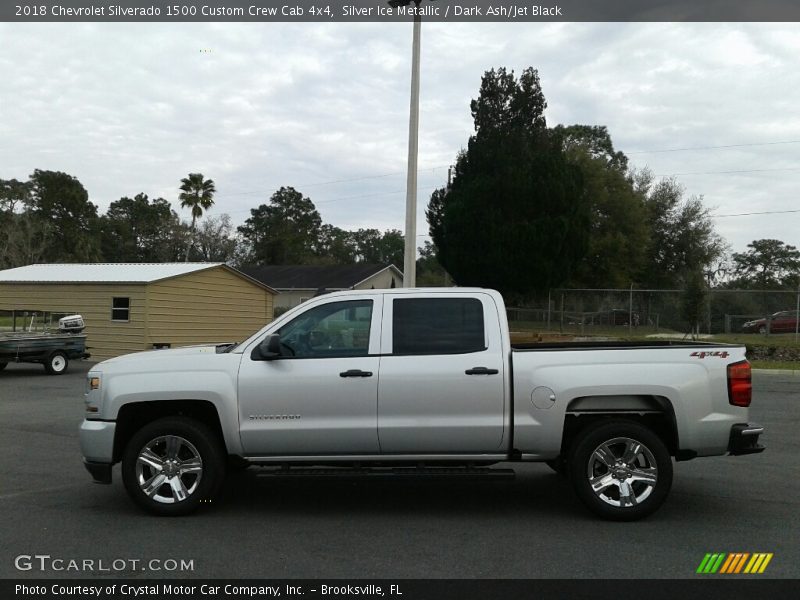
{"points": [[437, 326], [331, 330]]}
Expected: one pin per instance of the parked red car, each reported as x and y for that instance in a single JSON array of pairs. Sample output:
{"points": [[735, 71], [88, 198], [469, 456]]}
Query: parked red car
{"points": [[781, 322]]}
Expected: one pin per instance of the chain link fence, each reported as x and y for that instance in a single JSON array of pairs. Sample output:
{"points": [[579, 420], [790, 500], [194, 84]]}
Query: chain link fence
{"points": [[634, 312]]}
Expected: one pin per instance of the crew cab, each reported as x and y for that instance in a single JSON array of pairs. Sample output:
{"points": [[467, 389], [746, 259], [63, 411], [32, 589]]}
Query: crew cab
{"points": [[381, 379]]}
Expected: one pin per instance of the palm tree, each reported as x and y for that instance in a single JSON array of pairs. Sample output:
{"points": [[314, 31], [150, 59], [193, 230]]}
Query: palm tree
{"points": [[198, 195]]}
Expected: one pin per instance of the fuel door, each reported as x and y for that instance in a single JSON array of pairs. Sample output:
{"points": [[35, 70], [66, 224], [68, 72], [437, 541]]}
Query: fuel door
{"points": [[543, 397]]}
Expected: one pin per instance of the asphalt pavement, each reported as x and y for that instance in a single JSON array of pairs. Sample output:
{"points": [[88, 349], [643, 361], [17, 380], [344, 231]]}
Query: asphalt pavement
{"points": [[531, 527]]}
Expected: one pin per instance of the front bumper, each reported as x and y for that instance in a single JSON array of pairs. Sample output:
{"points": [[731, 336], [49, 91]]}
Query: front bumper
{"points": [[744, 439], [97, 441]]}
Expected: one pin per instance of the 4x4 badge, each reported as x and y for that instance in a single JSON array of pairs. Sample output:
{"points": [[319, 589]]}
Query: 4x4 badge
{"points": [[717, 353]]}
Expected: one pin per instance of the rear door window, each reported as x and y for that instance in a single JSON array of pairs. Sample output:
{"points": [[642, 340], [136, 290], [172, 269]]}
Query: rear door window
{"points": [[437, 326]]}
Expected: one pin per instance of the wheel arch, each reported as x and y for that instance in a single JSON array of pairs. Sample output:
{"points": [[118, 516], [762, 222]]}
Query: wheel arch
{"points": [[135, 415], [653, 411]]}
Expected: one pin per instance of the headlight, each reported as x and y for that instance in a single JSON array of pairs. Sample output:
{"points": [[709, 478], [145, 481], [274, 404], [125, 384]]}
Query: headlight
{"points": [[92, 395]]}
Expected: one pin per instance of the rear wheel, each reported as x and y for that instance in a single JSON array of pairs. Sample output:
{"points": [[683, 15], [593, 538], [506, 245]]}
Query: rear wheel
{"points": [[172, 465], [620, 470], [3, 365], [56, 363]]}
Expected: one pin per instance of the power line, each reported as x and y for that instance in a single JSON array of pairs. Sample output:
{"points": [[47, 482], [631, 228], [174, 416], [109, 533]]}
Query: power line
{"points": [[431, 169], [334, 181], [378, 194], [766, 212], [372, 195], [731, 172], [339, 199], [713, 147], [657, 151]]}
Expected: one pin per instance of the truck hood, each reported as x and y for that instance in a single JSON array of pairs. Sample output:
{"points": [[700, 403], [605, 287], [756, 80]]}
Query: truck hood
{"points": [[157, 355]]}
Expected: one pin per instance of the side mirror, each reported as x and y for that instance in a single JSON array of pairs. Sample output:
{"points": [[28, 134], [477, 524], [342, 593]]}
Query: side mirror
{"points": [[268, 349]]}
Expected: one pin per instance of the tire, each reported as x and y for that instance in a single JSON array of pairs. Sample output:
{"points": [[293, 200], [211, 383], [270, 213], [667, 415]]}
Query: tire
{"points": [[56, 364], [629, 461], [3, 365], [166, 444], [559, 465], [762, 330]]}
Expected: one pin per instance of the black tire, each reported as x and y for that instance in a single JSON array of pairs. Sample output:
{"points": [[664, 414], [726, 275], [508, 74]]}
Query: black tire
{"points": [[762, 330], [3, 365], [559, 465], [57, 363], [624, 484], [195, 441]]}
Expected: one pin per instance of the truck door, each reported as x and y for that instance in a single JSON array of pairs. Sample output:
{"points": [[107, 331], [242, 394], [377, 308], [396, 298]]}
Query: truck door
{"points": [[320, 396], [441, 387]]}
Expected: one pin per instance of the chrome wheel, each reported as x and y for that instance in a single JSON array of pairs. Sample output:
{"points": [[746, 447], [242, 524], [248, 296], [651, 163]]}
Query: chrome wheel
{"points": [[169, 469], [622, 472]]}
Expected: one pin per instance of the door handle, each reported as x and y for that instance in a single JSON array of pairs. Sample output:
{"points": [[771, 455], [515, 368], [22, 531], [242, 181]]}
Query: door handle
{"points": [[355, 373], [481, 371]]}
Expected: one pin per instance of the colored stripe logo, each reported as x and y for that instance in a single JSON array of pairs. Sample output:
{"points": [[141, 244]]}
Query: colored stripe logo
{"points": [[734, 563]]}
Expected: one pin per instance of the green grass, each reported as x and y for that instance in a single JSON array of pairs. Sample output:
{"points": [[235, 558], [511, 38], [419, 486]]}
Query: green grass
{"points": [[782, 340], [775, 364]]}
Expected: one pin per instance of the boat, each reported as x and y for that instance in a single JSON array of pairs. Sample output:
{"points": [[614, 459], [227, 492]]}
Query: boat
{"points": [[52, 349]]}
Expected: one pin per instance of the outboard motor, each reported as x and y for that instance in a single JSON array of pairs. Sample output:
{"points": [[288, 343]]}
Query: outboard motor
{"points": [[71, 324]]}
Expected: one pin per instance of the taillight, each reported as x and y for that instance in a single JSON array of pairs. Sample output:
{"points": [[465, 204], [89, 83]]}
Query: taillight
{"points": [[740, 386]]}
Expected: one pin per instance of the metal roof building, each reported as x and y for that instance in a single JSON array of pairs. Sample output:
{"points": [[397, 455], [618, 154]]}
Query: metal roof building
{"points": [[101, 272], [297, 283], [129, 307]]}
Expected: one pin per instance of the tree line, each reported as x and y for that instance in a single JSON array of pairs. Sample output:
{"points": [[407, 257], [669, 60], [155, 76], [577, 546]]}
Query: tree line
{"points": [[49, 218]]}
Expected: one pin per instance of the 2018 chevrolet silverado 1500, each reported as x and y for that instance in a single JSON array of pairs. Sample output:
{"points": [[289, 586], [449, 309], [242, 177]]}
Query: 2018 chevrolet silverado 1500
{"points": [[382, 379]]}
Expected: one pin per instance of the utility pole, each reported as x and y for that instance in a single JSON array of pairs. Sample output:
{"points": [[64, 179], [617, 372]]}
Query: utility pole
{"points": [[410, 255]]}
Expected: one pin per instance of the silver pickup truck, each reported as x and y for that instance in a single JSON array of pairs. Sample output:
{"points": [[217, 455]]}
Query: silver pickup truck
{"points": [[420, 380]]}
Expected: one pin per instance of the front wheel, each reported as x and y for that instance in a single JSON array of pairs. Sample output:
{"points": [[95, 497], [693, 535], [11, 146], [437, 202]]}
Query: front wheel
{"points": [[56, 363], [172, 465], [620, 470]]}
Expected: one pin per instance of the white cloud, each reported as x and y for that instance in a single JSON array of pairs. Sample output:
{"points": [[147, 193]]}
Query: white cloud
{"points": [[128, 108]]}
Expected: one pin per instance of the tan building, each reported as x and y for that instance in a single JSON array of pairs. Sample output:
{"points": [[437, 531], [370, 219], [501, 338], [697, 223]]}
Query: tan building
{"points": [[133, 307], [297, 283]]}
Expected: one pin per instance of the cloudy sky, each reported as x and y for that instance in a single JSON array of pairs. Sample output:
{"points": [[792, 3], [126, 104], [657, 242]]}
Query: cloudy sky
{"points": [[131, 108]]}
